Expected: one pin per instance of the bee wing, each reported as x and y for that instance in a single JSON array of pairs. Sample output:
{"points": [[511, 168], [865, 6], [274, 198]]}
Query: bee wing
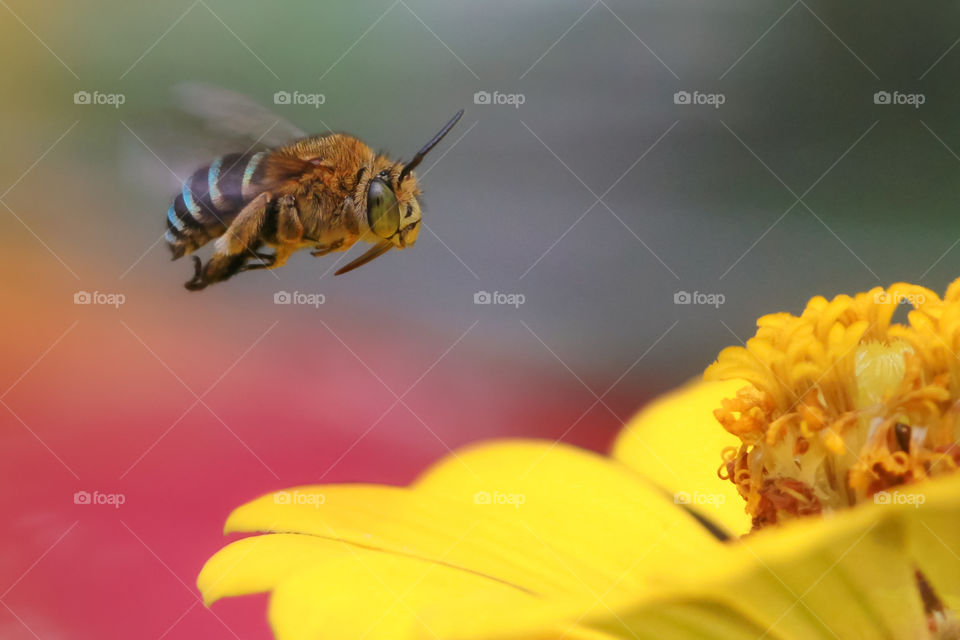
{"points": [[233, 114], [165, 146]]}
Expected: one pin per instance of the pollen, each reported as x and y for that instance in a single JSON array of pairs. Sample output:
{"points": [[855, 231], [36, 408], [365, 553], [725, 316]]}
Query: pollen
{"points": [[841, 402]]}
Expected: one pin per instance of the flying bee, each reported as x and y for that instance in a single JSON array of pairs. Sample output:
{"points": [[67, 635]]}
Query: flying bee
{"points": [[323, 193]]}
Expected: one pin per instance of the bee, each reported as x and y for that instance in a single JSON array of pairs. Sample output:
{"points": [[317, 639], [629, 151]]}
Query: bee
{"points": [[324, 193]]}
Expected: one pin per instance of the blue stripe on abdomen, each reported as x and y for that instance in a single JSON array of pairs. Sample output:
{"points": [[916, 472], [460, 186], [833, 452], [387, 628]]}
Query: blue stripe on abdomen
{"points": [[211, 197], [248, 175], [174, 219], [213, 177], [188, 200], [229, 182]]}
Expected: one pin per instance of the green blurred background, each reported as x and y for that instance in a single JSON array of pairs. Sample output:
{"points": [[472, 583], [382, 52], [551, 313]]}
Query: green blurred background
{"points": [[798, 80]]}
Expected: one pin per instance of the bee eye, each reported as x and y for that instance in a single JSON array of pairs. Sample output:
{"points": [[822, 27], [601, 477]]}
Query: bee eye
{"points": [[409, 211], [383, 212]]}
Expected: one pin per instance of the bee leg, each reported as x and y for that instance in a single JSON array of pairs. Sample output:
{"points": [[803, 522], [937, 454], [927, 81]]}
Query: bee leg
{"points": [[289, 226], [266, 262], [323, 250], [288, 233], [281, 256], [244, 231], [234, 247], [218, 268], [197, 282]]}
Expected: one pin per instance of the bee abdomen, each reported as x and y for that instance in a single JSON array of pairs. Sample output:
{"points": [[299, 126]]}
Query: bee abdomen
{"points": [[210, 199]]}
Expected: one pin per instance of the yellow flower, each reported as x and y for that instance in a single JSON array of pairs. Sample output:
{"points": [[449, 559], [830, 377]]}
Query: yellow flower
{"points": [[843, 405], [529, 539]]}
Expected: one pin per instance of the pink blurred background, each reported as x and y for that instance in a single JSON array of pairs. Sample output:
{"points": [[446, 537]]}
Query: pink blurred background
{"points": [[100, 399]]}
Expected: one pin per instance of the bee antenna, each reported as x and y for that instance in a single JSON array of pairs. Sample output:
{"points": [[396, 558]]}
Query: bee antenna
{"points": [[410, 166]]}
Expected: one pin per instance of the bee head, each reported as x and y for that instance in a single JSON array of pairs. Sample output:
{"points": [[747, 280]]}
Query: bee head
{"points": [[393, 212], [392, 209], [387, 193]]}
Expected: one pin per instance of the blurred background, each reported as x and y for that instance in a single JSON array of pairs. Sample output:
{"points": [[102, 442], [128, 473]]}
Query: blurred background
{"points": [[649, 177]]}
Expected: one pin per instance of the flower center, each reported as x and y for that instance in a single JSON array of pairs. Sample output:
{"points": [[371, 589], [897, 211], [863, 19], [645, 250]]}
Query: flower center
{"points": [[879, 369], [842, 405]]}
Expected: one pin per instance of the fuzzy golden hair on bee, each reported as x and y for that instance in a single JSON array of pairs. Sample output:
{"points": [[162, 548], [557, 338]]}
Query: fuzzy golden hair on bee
{"points": [[323, 193]]}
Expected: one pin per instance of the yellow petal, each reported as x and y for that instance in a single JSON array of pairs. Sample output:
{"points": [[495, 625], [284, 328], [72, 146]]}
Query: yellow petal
{"points": [[432, 561], [371, 595], [575, 500], [846, 577], [259, 563], [933, 514], [551, 518], [326, 588], [400, 521], [350, 592], [676, 442]]}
